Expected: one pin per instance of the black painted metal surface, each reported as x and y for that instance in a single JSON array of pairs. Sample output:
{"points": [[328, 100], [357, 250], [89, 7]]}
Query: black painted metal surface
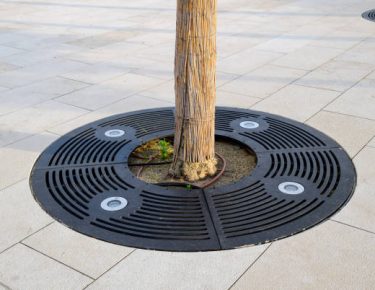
{"points": [[84, 167], [369, 15]]}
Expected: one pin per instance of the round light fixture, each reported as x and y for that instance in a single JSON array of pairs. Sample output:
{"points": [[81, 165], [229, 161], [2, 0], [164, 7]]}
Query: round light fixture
{"points": [[291, 188], [114, 203], [114, 133], [249, 124]]}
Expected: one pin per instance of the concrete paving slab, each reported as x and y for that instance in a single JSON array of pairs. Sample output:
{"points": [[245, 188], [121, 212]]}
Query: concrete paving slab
{"points": [[24, 268], [330, 256]]}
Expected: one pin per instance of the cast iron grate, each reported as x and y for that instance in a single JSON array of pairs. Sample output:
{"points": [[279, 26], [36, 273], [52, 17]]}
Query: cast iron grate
{"points": [[302, 177], [369, 15]]}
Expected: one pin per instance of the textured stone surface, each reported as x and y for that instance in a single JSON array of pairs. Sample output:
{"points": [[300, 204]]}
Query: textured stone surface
{"points": [[67, 63], [296, 102], [336, 75], [163, 270], [24, 268], [20, 215], [88, 255], [264, 81], [360, 211], [358, 101], [338, 125], [331, 256], [18, 158]]}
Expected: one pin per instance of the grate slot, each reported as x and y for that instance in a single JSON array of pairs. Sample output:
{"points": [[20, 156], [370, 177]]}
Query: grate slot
{"points": [[122, 229]]}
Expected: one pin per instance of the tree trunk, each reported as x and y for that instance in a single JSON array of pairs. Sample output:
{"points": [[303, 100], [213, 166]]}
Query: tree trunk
{"points": [[195, 89]]}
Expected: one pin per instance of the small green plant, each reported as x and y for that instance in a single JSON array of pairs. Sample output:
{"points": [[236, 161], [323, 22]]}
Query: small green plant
{"points": [[189, 187], [165, 149]]}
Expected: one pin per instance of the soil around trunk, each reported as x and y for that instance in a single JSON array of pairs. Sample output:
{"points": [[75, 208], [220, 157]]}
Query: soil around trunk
{"points": [[239, 162]]}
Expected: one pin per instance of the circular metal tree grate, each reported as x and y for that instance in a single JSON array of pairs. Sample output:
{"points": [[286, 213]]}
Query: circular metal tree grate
{"points": [[302, 177], [369, 15]]}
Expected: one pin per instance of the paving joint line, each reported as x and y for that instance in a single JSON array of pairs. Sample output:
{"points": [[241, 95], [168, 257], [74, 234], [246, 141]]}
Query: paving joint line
{"points": [[362, 148], [156, 99], [100, 82], [51, 98], [349, 115], [252, 70], [28, 136], [248, 268], [45, 129], [112, 103], [105, 272], [318, 88], [42, 228], [229, 92], [75, 106], [54, 133], [273, 93], [333, 100], [14, 183], [344, 114], [5, 286], [78, 81], [343, 92], [297, 79], [351, 226], [54, 259], [3, 251], [318, 67], [293, 68]]}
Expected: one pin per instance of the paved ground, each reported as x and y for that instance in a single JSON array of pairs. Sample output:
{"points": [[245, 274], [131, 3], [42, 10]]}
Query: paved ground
{"points": [[64, 63]]}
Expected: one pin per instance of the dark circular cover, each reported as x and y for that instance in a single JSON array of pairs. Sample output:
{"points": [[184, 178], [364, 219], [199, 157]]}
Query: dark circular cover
{"points": [[77, 172]]}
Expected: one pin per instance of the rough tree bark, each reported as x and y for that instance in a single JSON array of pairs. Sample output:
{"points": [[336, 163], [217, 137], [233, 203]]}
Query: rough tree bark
{"points": [[195, 89]]}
